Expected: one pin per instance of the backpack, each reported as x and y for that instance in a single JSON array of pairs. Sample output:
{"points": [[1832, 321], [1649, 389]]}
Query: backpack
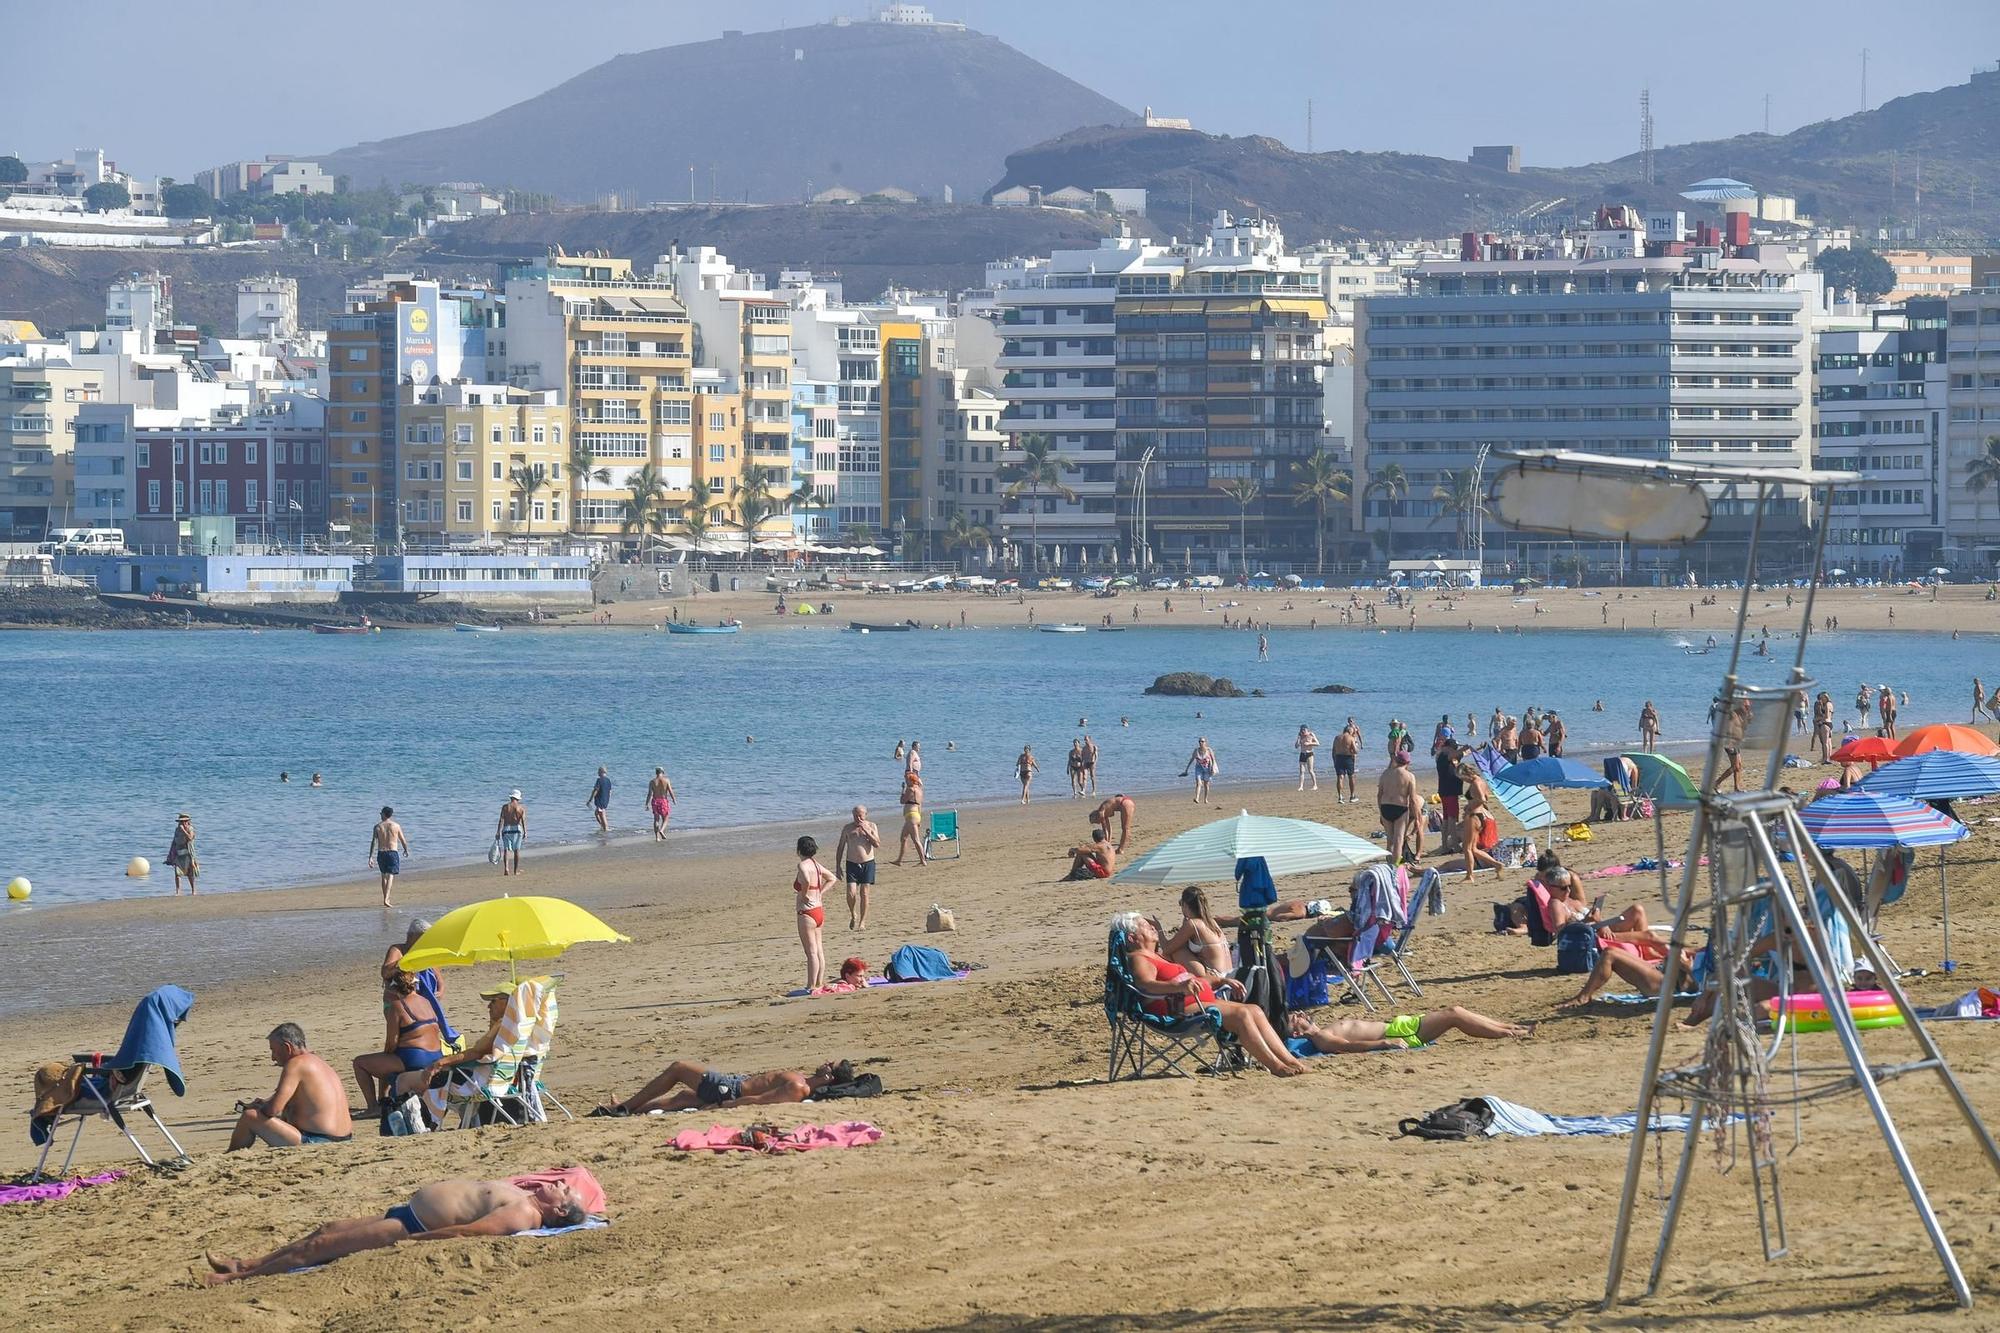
{"points": [[1576, 947], [1462, 1120], [863, 1085]]}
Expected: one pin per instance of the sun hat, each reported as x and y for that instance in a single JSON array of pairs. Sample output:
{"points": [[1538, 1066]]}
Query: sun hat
{"points": [[514, 795]]}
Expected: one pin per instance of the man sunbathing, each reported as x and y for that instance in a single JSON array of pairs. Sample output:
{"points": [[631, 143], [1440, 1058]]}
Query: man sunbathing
{"points": [[308, 1106], [1096, 859], [1347, 1036], [700, 1085], [435, 1212]]}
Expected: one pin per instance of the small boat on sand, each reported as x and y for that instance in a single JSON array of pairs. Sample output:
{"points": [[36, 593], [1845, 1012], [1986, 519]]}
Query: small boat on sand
{"points": [[342, 629], [899, 627]]}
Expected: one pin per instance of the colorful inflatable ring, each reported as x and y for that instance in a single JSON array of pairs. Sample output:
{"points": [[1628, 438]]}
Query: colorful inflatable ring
{"points": [[1858, 1012], [1856, 999], [1865, 1024]]}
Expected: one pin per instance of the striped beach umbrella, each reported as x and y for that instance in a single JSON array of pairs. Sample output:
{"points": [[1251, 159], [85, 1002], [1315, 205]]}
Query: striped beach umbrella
{"points": [[1549, 771], [1209, 854], [1936, 775], [1526, 804], [1945, 736], [1860, 818]]}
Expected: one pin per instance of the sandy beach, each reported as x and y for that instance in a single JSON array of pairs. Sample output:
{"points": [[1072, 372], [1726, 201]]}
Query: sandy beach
{"points": [[1013, 1189]]}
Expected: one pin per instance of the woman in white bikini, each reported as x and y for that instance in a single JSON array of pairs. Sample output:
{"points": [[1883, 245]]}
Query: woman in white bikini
{"points": [[1199, 944]]}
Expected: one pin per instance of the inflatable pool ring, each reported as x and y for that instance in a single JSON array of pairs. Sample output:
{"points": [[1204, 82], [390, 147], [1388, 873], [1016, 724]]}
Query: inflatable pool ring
{"points": [[1856, 999], [1865, 1024]]}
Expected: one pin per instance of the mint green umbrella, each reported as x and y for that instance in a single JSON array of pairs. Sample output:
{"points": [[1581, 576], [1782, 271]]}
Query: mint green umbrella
{"points": [[1663, 780], [1289, 846]]}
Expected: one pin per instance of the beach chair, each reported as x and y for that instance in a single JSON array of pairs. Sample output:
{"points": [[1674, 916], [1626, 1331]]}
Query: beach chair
{"points": [[943, 828], [509, 1088], [1143, 1042], [110, 1088], [1397, 950]]}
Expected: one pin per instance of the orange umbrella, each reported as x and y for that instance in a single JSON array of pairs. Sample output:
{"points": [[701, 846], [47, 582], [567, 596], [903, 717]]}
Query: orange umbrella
{"points": [[1945, 736], [1866, 750]]}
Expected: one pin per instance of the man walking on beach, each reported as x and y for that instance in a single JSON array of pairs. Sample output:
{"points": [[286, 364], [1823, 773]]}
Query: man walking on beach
{"points": [[599, 800], [660, 800], [1346, 748], [1398, 802], [511, 831], [386, 849], [1090, 763], [855, 854], [308, 1106]]}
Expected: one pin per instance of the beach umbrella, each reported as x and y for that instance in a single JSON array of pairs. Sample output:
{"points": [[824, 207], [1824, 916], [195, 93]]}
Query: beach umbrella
{"points": [[506, 930], [1836, 573], [1526, 804], [1940, 569], [1860, 818], [1945, 736], [1209, 854], [1662, 780], [1549, 771], [1866, 749], [1937, 775]]}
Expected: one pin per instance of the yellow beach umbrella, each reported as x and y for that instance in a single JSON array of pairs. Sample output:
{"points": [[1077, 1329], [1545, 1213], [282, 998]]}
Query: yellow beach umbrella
{"points": [[504, 930]]}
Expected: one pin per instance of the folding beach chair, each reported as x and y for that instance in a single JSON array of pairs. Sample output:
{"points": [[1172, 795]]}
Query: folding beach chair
{"points": [[1357, 961], [943, 828], [110, 1087], [507, 1088], [1143, 1042]]}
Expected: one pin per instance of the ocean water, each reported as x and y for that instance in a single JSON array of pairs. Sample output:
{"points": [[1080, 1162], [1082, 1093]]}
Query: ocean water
{"points": [[107, 735]]}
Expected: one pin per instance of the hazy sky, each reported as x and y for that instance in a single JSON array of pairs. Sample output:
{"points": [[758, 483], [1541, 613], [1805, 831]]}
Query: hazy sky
{"points": [[171, 88]]}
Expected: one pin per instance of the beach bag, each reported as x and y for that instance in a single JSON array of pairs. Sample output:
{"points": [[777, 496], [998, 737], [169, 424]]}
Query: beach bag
{"points": [[1576, 947], [405, 1117], [493, 853], [1462, 1120], [1307, 989], [1489, 833], [862, 1085], [940, 919], [1578, 832]]}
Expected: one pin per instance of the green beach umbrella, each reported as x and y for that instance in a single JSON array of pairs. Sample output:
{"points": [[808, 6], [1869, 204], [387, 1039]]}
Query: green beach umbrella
{"points": [[1289, 846], [1663, 780]]}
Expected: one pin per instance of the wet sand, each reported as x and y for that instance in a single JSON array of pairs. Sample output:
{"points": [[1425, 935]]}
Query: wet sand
{"points": [[1014, 1189]]}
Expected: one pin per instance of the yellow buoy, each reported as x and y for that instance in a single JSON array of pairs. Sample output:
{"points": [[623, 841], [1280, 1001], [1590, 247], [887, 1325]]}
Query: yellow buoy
{"points": [[18, 888], [138, 868]]}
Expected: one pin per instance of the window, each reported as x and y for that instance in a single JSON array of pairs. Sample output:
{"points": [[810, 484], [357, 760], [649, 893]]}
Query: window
{"points": [[514, 435], [715, 485], [208, 497], [180, 497], [676, 414], [278, 451], [280, 493], [539, 432], [357, 354], [207, 452], [250, 496], [716, 421], [357, 416], [222, 451], [179, 449], [222, 497], [357, 386], [145, 455], [465, 470], [715, 453], [555, 435], [496, 511], [496, 470], [153, 497], [462, 434], [249, 451], [496, 435], [465, 511]]}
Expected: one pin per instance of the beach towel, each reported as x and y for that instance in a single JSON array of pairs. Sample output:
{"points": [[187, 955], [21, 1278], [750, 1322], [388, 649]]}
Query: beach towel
{"points": [[803, 1138], [1508, 1118], [917, 962], [843, 988], [54, 1189], [1377, 908], [588, 1192], [1305, 1050], [1633, 997], [427, 986], [149, 1037]]}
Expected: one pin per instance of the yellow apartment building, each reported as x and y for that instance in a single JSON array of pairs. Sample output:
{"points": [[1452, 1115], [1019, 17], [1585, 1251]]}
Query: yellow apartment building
{"points": [[38, 402], [482, 463]]}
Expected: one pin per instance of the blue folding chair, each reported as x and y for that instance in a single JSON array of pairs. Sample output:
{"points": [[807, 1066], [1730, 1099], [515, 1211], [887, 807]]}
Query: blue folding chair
{"points": [[1144, 1042], [943, 828]]}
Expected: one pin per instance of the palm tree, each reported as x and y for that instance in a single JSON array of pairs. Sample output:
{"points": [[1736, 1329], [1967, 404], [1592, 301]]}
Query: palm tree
{"points": [[1041, 469], [859, 534], [962, 534], [582, 471], [1984, 470], [1390, 482], [697, 521], [1244, 491], [755, 504], [1458, 495], [528, 481], [806, 496], [1319, 484], [642, 501]]}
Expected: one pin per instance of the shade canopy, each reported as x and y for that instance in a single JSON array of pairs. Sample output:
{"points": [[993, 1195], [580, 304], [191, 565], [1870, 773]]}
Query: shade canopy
{"points": [[1866, 750], [1549, 771], [503, 930], [1525, 804], [1945, 736], [1289, 846], [1870, 819], [1936, 775], [1662, 780]]}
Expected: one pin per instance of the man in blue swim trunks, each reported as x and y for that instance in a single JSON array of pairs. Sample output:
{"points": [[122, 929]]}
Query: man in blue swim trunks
{"points": [[308, 1106], [699, 1085], [509, 832], [436, 1212], [599, 799]]}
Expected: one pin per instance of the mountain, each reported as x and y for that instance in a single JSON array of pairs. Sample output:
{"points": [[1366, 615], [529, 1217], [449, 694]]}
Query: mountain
{"points": [[778, 115], [1859, 169], [930, 247]]}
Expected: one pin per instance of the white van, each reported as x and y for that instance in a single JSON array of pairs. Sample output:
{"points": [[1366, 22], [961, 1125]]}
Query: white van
{"points": [[85, 541]]}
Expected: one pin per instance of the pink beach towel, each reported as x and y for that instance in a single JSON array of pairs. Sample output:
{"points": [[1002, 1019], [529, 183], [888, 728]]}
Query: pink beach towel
{"points": [[721, 1138], [54, 1189]]}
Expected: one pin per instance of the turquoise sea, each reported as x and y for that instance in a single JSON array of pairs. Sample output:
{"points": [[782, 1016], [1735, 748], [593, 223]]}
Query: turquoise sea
{"points": [[107, 735]]}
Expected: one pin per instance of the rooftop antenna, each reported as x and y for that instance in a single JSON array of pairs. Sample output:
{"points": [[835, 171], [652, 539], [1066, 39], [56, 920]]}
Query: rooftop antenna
{"points": [[1646, 135], [1738, 1091]]}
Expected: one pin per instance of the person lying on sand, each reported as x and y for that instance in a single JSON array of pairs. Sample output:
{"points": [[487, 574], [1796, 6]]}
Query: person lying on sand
{"points": [[1346, 1036], [699, 1085], [435, 1212], [1291, 909], [308, 1106]]}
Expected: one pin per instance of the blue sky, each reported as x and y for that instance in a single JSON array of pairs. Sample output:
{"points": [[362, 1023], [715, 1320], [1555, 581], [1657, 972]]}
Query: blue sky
{"points": [[214, 80]]}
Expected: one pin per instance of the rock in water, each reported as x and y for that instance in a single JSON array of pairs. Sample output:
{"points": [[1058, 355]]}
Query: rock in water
{"points": [[1335, 689], [1194, 685]]}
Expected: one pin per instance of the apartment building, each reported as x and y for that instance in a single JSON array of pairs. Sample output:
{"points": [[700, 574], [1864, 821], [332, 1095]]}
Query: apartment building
{"points": [[968, 472], [1972, 427], [1219, 362], [621, 347], [482, 462], [1878, 409], [398, 331], [1927, 273], [815, 458], [265, 469], [39, 400], [1696, 357]]}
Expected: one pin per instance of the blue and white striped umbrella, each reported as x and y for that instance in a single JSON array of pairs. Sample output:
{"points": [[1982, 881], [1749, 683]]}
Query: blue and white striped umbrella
{"points": [[1526, 804], [1861, 818], [1936, 775], [1550, 771], [1208, 855]]}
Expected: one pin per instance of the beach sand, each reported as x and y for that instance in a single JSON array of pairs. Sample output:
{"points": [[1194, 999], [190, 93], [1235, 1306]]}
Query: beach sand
{"points": [[1013, 1189]]}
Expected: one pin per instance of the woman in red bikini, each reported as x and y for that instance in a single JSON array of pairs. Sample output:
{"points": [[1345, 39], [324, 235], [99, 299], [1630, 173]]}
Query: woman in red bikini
{"points": [[809, 886], [1180, 990]]}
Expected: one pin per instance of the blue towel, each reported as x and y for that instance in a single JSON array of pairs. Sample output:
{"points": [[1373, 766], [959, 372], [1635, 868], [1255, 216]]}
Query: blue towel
{"points": [[149, 1037], [427, 986], [1254, 886], [1511, 1119], [1305, 1050], [916, 962]]}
